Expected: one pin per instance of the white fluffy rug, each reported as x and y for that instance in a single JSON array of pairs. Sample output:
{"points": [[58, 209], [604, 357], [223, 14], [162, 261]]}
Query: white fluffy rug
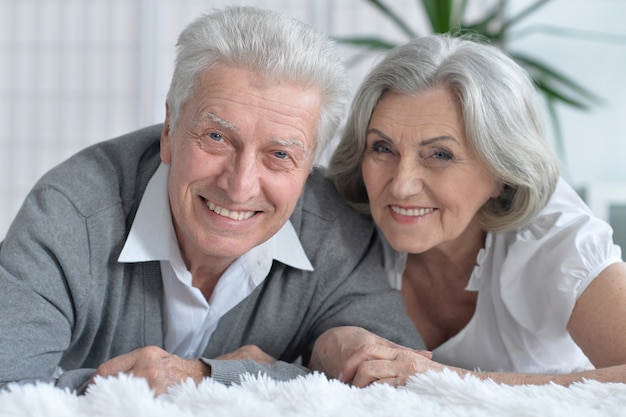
{"points": [[443, 394]]}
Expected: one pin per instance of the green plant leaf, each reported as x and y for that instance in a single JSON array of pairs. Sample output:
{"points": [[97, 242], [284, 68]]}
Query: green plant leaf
{"points": [[458, 13], [551, 92], [401, 24], [552, 77], [523, 14], [483, 27], [369, 43], [439, 14]]}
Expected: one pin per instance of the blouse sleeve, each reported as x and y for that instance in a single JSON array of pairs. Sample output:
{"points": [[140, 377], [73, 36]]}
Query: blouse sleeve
{"points": [[552, 260]]}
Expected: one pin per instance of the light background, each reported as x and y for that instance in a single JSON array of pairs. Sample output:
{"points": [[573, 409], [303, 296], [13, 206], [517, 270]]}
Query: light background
{"points": [[75, 72]]}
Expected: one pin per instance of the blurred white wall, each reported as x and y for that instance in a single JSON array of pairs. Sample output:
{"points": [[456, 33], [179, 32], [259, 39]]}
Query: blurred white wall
{"points": [[75, 72]]}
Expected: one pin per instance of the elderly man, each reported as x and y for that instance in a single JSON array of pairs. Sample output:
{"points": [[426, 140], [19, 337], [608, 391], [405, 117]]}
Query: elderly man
{"points": [[186, 250]]}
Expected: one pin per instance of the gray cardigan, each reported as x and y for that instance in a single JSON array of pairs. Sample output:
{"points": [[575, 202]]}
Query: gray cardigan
{"points": [[66, 302]]}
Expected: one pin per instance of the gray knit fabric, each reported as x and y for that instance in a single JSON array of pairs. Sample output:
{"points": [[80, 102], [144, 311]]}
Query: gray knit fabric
{"points": [[66, 302]]}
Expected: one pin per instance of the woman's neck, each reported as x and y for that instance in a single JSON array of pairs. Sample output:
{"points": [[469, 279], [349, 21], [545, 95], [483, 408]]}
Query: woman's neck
{"points": [[454, 259]]}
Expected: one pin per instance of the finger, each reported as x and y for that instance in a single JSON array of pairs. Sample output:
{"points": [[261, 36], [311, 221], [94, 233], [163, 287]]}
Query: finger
{"points": [[397, 381], [425, 353], [114, 366], [127, 362], [395, 369], [370, 372], [368, 353]]}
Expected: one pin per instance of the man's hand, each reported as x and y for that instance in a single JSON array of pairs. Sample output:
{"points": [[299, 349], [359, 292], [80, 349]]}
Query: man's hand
{"points": [[250, 352], [359, 357], [161, 369]]}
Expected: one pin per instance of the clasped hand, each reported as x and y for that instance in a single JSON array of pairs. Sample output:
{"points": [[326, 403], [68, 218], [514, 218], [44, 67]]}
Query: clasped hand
{"points": [[163, 370], [359, 357], [350, 354]]}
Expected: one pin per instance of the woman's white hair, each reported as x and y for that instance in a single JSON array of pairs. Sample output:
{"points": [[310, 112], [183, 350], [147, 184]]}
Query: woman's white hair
{"points": [[501, 113], [275, 45]]}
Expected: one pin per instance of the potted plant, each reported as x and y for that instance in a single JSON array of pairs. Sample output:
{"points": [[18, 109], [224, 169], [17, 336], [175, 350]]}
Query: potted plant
{"points": [[450, 16]]}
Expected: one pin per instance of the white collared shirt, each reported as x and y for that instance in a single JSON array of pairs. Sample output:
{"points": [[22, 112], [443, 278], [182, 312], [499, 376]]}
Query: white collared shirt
{"points": [[189, 319], [528, 281]]}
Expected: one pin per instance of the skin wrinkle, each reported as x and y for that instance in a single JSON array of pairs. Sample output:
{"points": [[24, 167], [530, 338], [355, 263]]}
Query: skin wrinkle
{"points": [[261, 83], [236, 171], [231, 126]]}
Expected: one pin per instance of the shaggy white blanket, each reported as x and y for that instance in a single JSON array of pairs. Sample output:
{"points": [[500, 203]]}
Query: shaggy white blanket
{"points": [[434, 394]]}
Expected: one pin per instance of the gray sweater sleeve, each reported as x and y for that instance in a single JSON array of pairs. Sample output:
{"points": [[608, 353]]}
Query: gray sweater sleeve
{"points": [[230, 371], [37, 304], [65, 301]]}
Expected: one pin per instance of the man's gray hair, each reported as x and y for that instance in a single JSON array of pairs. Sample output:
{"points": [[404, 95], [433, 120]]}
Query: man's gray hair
{"points": [[270, 43]]}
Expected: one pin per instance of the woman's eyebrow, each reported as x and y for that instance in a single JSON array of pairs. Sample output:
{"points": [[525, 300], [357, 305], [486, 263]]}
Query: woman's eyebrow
{"points": [[430, 141], [424, 142], [378, 132]]}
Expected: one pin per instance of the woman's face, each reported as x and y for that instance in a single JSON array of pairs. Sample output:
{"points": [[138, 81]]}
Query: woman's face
{"points": [[424, 183]]}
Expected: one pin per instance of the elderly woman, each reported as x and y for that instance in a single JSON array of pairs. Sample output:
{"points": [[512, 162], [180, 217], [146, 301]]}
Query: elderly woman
{"points": [[502, 266]]}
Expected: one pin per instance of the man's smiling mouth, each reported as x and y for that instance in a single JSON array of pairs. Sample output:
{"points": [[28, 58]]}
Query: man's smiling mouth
{"points": [[231, 214]]}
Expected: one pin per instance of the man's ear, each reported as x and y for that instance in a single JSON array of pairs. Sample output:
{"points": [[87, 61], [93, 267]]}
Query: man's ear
{"points": [[166, 150]]}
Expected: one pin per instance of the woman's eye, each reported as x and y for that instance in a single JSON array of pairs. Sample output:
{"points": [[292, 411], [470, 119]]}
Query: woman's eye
{"points": [[380, 147], [443, 155]]}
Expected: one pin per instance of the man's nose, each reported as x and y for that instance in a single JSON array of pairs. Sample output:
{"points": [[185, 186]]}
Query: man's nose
{"points": [[241, 180]]}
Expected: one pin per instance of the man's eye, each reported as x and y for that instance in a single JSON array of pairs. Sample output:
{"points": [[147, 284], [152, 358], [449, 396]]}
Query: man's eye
{"points": [[281, 155], [216, 136]]}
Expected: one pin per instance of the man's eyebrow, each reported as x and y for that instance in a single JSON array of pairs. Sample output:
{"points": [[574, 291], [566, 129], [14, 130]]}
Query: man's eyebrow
{"points": [[290, 142], [224, 123]]}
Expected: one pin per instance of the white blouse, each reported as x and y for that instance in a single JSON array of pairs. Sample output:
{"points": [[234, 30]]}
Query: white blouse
{"points": [[528, 281]]}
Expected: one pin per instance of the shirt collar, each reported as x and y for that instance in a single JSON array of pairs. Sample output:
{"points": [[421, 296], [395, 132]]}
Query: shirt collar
{"points": [[145, 242]]}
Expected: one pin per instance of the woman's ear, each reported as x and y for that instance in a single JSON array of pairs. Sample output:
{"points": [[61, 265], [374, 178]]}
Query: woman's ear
{"points": [[497, 190]]}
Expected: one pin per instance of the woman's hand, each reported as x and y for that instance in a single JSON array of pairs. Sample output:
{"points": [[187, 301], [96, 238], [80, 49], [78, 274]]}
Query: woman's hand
{"points": [[359, 357], [376, 363]]}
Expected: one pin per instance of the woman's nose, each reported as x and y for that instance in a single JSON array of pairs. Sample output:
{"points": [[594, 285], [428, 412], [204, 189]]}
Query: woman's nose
{"points": [[407, 180]]}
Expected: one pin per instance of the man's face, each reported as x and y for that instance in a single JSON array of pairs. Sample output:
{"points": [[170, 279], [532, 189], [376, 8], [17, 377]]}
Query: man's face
{"points": [[239, 157]]}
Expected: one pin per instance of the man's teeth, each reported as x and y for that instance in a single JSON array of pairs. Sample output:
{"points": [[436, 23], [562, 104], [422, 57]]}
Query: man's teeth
{"points": [[231, 214], [412, 212]]}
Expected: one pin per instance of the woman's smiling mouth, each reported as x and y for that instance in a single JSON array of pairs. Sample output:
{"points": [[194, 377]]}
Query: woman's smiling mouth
{"points": [[415, 212]]}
